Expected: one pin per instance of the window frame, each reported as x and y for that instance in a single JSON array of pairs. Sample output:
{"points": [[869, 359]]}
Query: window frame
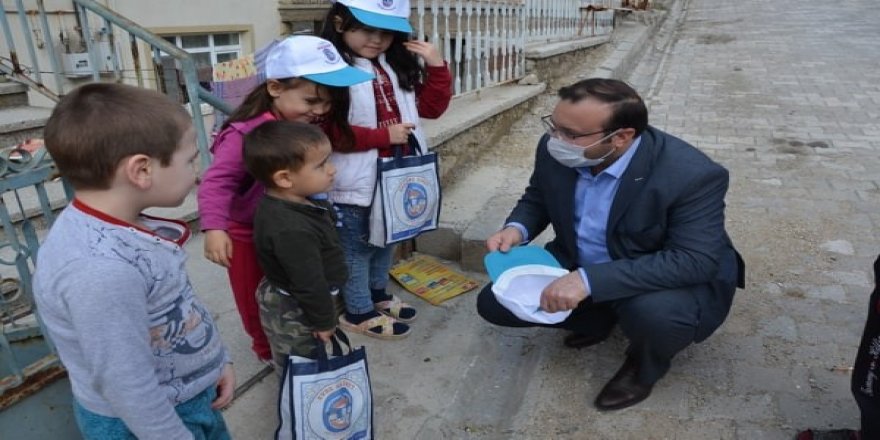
{"points": [[211, 49]]}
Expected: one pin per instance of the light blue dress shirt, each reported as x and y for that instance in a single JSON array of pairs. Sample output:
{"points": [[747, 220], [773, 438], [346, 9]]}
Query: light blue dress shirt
{"points": [[593, 196]]}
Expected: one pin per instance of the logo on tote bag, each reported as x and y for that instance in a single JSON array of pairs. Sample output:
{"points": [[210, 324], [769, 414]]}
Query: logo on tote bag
{"points": [[337, 410], [410, 201], [336, 407], [415, 200]]}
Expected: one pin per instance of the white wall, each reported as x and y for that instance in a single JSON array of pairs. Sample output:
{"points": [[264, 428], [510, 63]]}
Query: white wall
{"points": [[259, 21], [259, 15]]}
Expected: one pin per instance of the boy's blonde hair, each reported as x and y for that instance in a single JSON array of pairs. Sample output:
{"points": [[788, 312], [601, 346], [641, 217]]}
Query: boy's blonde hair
{"points": [[97, 125]]}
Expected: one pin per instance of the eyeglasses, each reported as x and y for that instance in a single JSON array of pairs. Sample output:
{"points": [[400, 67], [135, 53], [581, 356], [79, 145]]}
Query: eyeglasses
{"points": [[554, 131]]}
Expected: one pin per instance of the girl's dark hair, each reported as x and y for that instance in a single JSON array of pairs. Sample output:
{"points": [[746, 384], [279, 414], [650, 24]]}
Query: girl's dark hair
{"points": [[405, 63], [343, 140], [259, 101]]}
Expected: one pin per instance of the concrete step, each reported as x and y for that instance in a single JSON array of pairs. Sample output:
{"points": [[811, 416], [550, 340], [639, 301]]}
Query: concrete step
{"points": [[26, 200], [461, 201], [476, 204], [473, 122], [20, 123], [13, 94]]}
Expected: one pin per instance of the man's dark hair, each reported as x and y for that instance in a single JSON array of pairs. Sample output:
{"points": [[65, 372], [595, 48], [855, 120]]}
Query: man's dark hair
{"points": [[97, 125], [628, 109], [279, 145]]}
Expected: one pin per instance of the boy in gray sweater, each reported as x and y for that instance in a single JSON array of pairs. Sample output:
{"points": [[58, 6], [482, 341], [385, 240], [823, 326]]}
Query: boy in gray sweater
{"points": [[143, 354]]}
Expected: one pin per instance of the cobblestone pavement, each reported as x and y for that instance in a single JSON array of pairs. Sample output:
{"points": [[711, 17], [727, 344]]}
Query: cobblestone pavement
{"points": [[787, 96]]}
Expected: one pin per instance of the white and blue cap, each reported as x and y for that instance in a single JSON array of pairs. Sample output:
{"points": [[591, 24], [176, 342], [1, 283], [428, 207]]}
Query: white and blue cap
{"points": [[392, 15], [312, 58], [519, 276]]}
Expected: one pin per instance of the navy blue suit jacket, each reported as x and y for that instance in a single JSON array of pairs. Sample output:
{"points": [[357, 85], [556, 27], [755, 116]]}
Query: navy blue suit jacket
{"points": [[665, 228]]}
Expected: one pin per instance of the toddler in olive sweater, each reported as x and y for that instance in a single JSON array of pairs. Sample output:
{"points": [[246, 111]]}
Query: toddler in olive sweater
{"points": [[295, 237]]}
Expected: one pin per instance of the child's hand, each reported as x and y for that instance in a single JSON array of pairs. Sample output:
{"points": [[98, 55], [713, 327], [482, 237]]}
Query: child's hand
{"points": [[399, 133], [218, 247], [225, 388], [426, 50], [325, 335]]}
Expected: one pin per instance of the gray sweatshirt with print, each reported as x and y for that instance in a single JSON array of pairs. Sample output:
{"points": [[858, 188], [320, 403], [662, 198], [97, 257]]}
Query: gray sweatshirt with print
{"points": [[118, 304]]}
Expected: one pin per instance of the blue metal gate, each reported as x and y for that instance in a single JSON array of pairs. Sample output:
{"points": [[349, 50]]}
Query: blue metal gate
{"points": [[32, 380]]}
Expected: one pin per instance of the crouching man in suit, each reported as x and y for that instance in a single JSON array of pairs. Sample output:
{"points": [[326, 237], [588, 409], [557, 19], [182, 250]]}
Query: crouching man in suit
{"points": [[639, 221]]}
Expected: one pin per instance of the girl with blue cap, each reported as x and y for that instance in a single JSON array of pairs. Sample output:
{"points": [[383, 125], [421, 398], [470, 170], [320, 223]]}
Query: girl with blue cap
{"points": [[374, 36]]}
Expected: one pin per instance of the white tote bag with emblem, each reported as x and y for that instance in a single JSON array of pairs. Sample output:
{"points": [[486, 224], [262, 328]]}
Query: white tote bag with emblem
{"points": [[328, 397], [406, 201]]}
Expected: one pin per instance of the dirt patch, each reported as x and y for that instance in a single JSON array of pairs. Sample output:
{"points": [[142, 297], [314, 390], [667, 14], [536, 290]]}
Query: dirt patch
{"points": [[715, 38], [799, 147]]}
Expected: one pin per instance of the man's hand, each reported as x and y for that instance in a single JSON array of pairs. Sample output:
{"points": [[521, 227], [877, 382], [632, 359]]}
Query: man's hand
{"points": [[225, 388], [564, 293], [504, 239], [218, 247]]}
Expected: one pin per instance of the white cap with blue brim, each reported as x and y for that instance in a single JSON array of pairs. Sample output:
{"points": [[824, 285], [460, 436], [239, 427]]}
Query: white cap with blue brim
{"points": [[392, 15], [312, 58], [519, 276]]}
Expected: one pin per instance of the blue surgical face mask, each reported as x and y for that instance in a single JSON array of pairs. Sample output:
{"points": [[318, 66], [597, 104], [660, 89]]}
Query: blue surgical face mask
{"points": [[572, 155]]}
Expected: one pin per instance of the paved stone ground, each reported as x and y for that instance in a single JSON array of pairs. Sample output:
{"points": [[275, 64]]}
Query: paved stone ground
{"points": [[787, 96]]}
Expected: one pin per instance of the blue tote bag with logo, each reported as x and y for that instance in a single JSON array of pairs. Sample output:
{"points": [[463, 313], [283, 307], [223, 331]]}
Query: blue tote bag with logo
{"points": [[406, 201], [328, 397]]}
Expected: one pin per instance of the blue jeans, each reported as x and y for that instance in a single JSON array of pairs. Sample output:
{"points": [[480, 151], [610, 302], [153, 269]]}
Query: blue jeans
{"points": [[368, 265], [204, 422]]}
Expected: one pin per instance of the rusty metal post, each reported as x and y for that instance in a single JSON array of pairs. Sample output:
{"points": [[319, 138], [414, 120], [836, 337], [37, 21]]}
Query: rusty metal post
{"points": [[136, 56], [26, 30], [10, 43]]}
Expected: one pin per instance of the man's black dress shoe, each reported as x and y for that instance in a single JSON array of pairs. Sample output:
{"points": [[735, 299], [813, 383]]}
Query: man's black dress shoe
{"points": [[624, 389], [581, 340]]}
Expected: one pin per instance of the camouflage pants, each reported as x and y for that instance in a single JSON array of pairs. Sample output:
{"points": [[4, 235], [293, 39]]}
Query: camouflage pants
{"points": [[284, 324]]}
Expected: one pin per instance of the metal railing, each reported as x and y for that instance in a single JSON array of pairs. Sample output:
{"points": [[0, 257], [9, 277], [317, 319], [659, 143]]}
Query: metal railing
{"points": [[558, 20], [97, 27], [25, 176], [28, 361], [484, 40]]}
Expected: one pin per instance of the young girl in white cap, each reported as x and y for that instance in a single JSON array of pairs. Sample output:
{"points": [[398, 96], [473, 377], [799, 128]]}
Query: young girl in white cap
{"points": [[303, 74], [373, 35]]}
